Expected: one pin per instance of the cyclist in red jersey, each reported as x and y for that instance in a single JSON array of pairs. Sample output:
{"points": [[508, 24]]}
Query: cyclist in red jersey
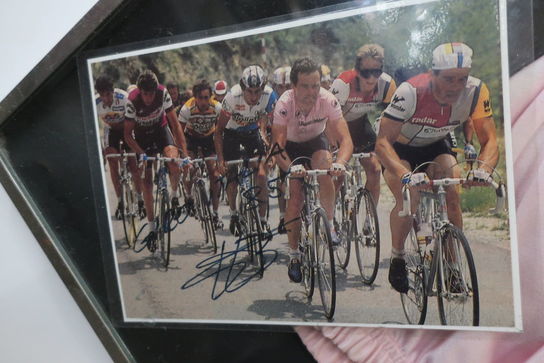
{"points": [[149, 114], [415, 129], [360, 91]]}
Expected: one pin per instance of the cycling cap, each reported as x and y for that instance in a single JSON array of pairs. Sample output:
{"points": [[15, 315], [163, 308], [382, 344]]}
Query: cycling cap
{"points": [[281, 75], [253, 76], [452, 55], [220, 87], [147, 81]]}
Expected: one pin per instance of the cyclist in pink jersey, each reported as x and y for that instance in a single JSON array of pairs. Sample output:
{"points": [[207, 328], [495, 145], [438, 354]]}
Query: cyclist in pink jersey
{"points": [[415, 129], [306, 118]]}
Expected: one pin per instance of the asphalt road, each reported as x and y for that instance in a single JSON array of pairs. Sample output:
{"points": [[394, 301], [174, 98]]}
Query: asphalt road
{"points": [[201, 286]]}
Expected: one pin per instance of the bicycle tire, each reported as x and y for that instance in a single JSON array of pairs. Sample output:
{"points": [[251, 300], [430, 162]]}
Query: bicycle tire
{"points": [[308, 257], [367, 246], [414, 302], [206, 215], [129, 218], [256, 238], [163, 232], [453, 297], [324, 266], [342, 225]]}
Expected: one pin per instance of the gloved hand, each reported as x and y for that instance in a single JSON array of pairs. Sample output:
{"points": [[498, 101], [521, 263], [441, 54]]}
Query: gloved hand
{"points": [[479, 176], [416, 179], [470, 152]]}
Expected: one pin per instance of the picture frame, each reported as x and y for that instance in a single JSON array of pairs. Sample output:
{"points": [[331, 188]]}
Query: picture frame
{"points": [[52, 239]]}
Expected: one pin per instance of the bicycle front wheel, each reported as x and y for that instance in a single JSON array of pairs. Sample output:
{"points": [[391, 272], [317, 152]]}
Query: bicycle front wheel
{"points": [[129, 218], [366, 236], [414, 302], [458, 296], [324, 266], [256, 238], [308, 257], [206, 216], [342, 227], [163, 231]]}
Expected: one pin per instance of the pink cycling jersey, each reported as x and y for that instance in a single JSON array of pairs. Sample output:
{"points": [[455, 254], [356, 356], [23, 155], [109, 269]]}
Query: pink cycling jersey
{"points": [[301, 128]]}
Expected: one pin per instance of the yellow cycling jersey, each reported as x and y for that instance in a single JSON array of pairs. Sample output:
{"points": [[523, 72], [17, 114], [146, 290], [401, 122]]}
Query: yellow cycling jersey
{"points": [[197, 122]]}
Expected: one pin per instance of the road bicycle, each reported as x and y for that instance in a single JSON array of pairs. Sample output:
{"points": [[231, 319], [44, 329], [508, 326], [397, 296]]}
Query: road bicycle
{"points": [[130, 214], [316, 243], [249, 224], [356, 221], [441, 263], [161, 208], [202, 201]]}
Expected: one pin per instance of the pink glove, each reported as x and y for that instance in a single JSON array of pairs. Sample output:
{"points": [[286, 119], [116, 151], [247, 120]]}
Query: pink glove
{"points": [[329, 344]]}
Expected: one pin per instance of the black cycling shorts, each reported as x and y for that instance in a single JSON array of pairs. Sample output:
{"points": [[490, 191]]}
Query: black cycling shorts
{"points": [[362, 134], [204, 143], [304, 150], [251, 142], [153, 140], [417, 155], [112, 138]]}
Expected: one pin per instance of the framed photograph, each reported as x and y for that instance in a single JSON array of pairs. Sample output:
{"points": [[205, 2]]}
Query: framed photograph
{"points": [[171, 253]]}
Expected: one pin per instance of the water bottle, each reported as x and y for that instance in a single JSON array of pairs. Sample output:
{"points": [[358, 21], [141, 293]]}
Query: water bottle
{"points": [[425, 233]]}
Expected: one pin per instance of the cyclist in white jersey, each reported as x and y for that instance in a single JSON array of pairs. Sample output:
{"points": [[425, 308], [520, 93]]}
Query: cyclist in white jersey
{"points": [[111, 106], [414, 129], [242, 123], [306, 119]]}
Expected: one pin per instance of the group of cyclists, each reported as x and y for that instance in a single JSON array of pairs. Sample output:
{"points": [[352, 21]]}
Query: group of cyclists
{"points": [[293, 120]]}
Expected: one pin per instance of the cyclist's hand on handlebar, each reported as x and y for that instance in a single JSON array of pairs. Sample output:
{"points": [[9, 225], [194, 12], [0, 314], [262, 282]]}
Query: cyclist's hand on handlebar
{"points": [[415, 180], [297, 171], [470, 152], [185, 163], [337, 169], [143, 157], [478, 177], [221, 168]]}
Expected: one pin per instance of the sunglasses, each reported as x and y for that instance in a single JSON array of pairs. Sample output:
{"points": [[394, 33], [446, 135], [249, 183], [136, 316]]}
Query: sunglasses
{"points": [[203, 97], [366, 73]]}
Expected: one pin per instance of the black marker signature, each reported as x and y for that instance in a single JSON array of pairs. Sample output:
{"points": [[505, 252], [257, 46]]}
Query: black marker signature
{"points": [[226, 262]]}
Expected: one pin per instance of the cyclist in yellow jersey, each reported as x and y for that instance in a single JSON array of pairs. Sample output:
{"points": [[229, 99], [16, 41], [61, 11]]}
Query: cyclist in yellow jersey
{"points": [[198, 118], [414, 129]]}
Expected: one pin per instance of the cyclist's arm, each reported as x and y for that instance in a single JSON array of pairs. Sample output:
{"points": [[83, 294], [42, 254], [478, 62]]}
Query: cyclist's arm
{"points": [[468, 130], [218, 135], [337, 131], [129, 139], [389, 132], [179, 138], [487, 136], [263, 121], [279, 139]]}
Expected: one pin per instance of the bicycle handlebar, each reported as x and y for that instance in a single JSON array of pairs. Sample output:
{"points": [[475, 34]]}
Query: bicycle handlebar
{"points": [[500, 192], [313, 173], [109, 156], [241, 161], [361, 155]]}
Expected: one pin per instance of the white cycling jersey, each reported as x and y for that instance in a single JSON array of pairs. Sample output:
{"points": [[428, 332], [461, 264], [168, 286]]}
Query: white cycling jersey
{"points": [[115, 113], [243, 117]]}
